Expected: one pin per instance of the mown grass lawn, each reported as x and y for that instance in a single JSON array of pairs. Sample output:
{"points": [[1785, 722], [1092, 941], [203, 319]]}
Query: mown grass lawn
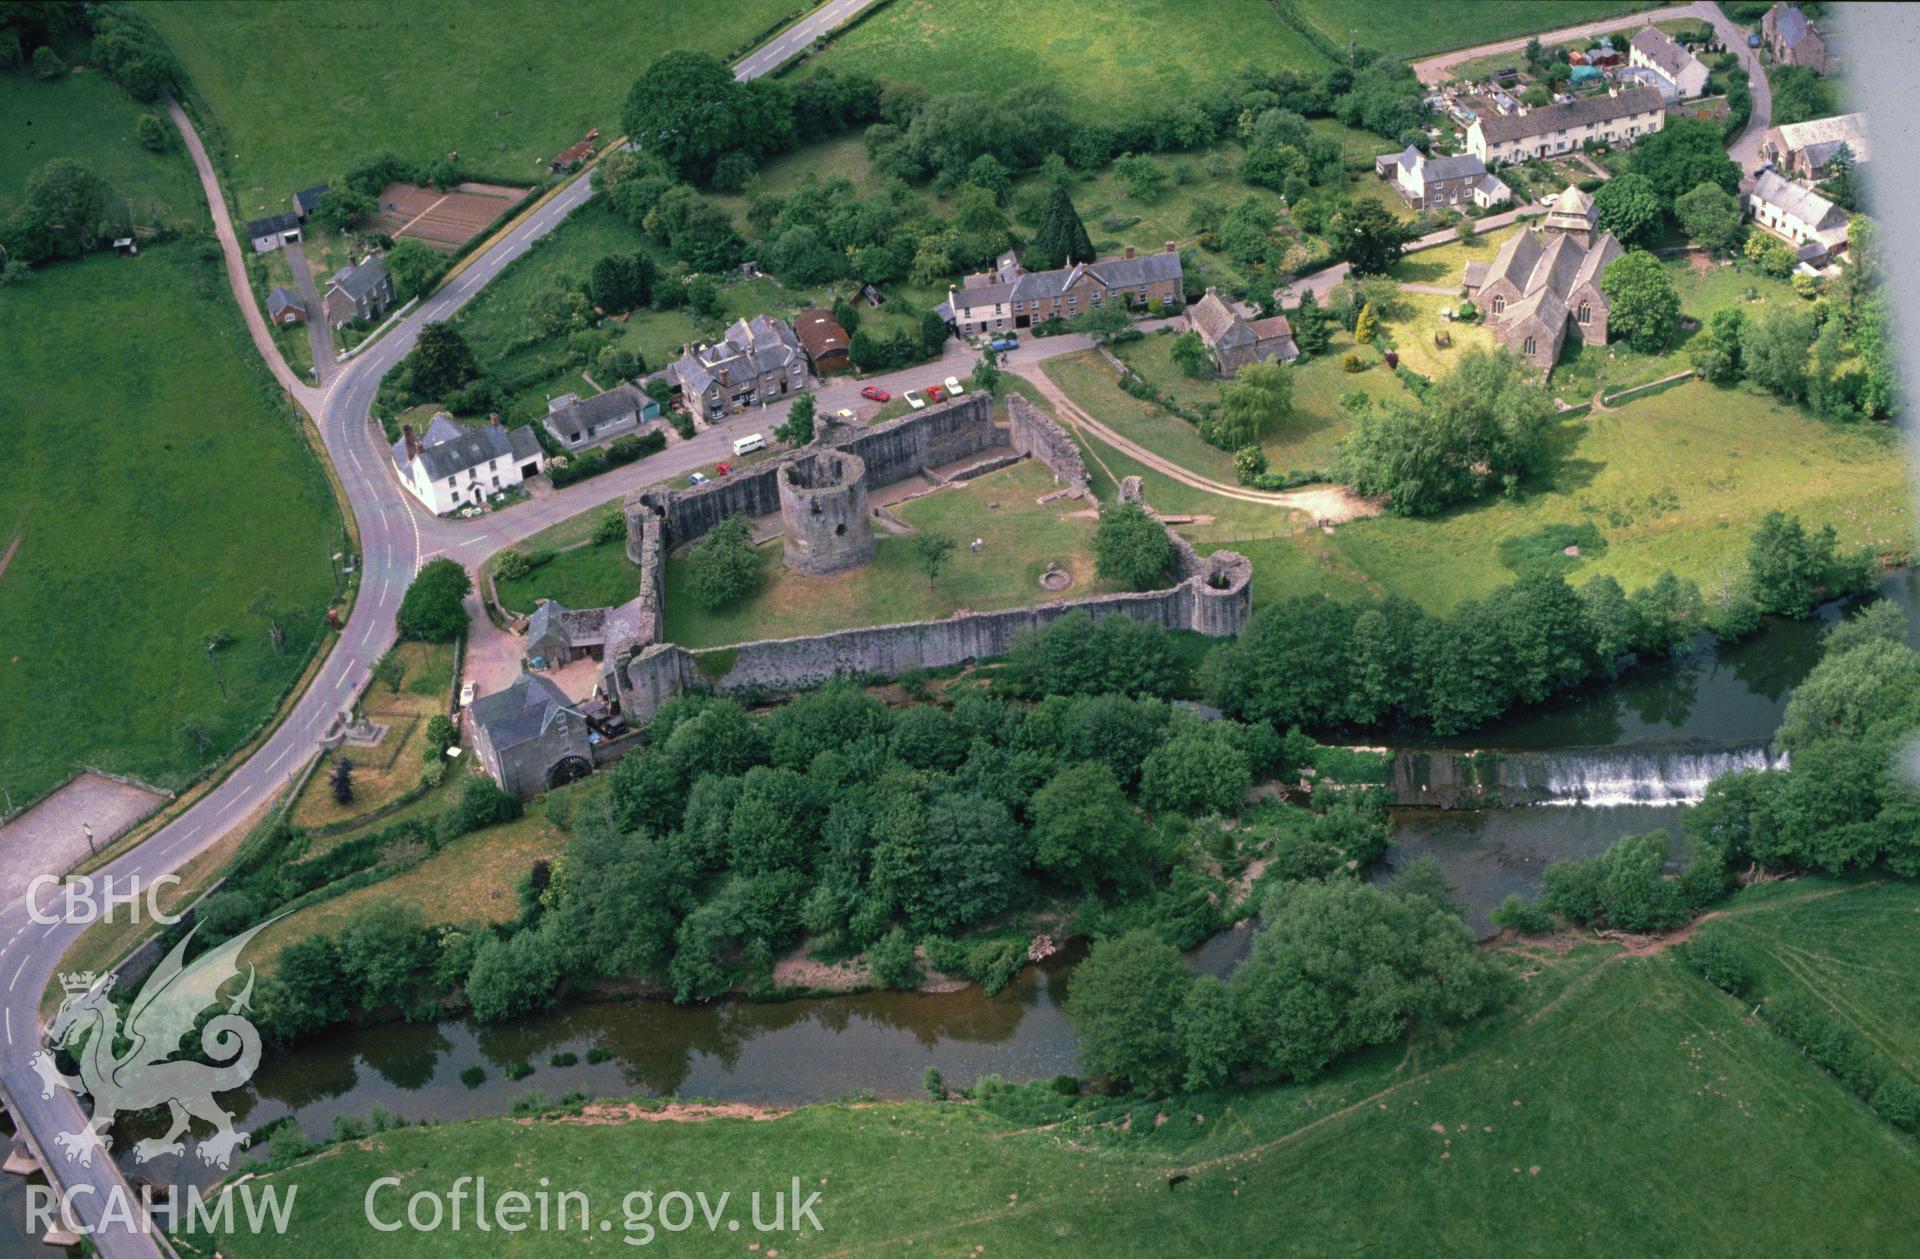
{"points": [[1021, 539], [597, 575], [383, 773], [1092, 382], [1676, 480], [1438, 25], [1585, 1118], [306, 88], [84, 117], [1111, 60], [157, 488]]}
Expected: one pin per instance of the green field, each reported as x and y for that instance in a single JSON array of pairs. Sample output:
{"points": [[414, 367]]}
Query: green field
{"points": [[83, 116], [1021, 538], [157, 489], [1587, 1118], [1675, 480], [1111, 60], [1438, 25], [598, 575], [304, 88]]}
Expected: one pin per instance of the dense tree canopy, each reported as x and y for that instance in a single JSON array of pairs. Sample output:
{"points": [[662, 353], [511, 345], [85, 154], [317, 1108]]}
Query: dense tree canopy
{"points": [[434, 607], [689, 111], [1061, 238], [1681, 156], [1131, 547], [1645, 305], [1627, 206]]}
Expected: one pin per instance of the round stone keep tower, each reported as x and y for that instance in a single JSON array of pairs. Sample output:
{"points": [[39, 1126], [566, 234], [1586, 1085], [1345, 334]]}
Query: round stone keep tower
{"points": [[823, 508]]}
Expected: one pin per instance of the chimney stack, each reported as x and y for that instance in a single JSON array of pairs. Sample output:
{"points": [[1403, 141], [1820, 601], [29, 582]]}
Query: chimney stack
{"points": [[1128, 252], [1172, 248], [413, 443], [494, 419]]}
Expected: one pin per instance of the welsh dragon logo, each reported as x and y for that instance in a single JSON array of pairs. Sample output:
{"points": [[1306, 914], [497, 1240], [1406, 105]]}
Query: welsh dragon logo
{"points": [[168, 1007]]}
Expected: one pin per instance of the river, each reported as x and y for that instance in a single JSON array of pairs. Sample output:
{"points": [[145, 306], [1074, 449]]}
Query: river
{"points": [[881, 1043]]}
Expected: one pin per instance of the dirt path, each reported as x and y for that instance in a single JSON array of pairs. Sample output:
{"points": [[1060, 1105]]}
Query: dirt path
{"points": [[306, 395], [6, 556], [1323, 504]]}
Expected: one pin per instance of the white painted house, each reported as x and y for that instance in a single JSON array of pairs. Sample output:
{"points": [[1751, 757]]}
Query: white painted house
{"points": [[1657, 50], [453, 467], [1620, 116], [1813, 225]]}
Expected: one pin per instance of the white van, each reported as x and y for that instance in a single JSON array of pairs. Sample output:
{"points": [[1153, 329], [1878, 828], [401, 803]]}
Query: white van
{"points": [[748, 444]]}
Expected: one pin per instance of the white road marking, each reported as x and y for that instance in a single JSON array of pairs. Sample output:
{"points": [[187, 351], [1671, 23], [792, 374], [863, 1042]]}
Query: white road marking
{"points": [[15, 981]]}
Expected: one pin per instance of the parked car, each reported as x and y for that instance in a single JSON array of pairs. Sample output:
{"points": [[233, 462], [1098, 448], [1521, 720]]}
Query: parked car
{"points": [[748, 444], [721, 469], [953, 387], [697, 478], [468, 689], [845, 415], [914, 399], [873, 393], [999, 344]]}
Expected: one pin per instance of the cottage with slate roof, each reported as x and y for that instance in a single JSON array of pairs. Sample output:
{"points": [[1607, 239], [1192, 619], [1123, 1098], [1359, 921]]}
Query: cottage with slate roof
{"points": [[1441, 182], [531, 737], [1545, 284], [1796, 41], [1655, 49], [1813, 225], [286, 308], [270, 233], [362, 291], [1808, 148], [758, 361], [1234, 340], [1011, 297], [1621, 116], [453, 467], [582, 425]]}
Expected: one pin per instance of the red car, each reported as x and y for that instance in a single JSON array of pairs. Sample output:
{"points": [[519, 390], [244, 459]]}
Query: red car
{"points": [[936, 394], [873, 393], [721, 469]]}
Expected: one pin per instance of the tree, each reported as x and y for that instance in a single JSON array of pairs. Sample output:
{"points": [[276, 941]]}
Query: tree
{"points": [[434, 607], [1256, 402], [1466, 231], [390, 670], [689, 111], [1799, 93], [621, 282], [1790, 570], [986, 373], [1715, 352], [442, 361], [66, 212], [798, 429], [930, 553], [982, 225], [1085, 832], [1710, 215], [341, 780], [1191, 356], [1533, 53], [1645, 306], [847, 315], [441, 735], [1144, 177], [1773, 352], [1365, 325], [1311, 331], [1369, 237], [414, 266], [342, 207], [722, 566], [1061, 238], [1124, 1000], [1199, 769], [1681, 156], [1628, 207], [1131, 547], [47, 65], [154, 135], [1107, 321]]}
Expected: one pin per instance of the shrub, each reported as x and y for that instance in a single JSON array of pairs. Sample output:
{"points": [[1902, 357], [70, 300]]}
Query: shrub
{"points": [[1720, 959], [893, 962], [473, 1077], [1517, 913], [519, 1070], [434, 607], [1353, 363]]}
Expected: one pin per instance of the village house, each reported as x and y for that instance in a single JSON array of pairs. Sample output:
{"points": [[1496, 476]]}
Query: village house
{"points": [[361, 291], [756, 362], [531, 737], [1813, 225], [1235, 341], [286, 308], [1010, 296], [1441, 182], [307, 200], [580, 424], [824, 341], [451, 467], [1794, 40], [1655, 49], [557, 636], [1808, 148], [1620, 117], [1544, 284], [271, 233]]}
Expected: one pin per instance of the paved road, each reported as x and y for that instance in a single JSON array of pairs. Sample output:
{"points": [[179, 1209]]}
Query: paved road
{"points": [[789, 43], [1439, 68], [391, 548]]}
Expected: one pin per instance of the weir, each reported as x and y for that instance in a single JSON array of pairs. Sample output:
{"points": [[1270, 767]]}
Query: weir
{"points": [[1641, 773]]}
